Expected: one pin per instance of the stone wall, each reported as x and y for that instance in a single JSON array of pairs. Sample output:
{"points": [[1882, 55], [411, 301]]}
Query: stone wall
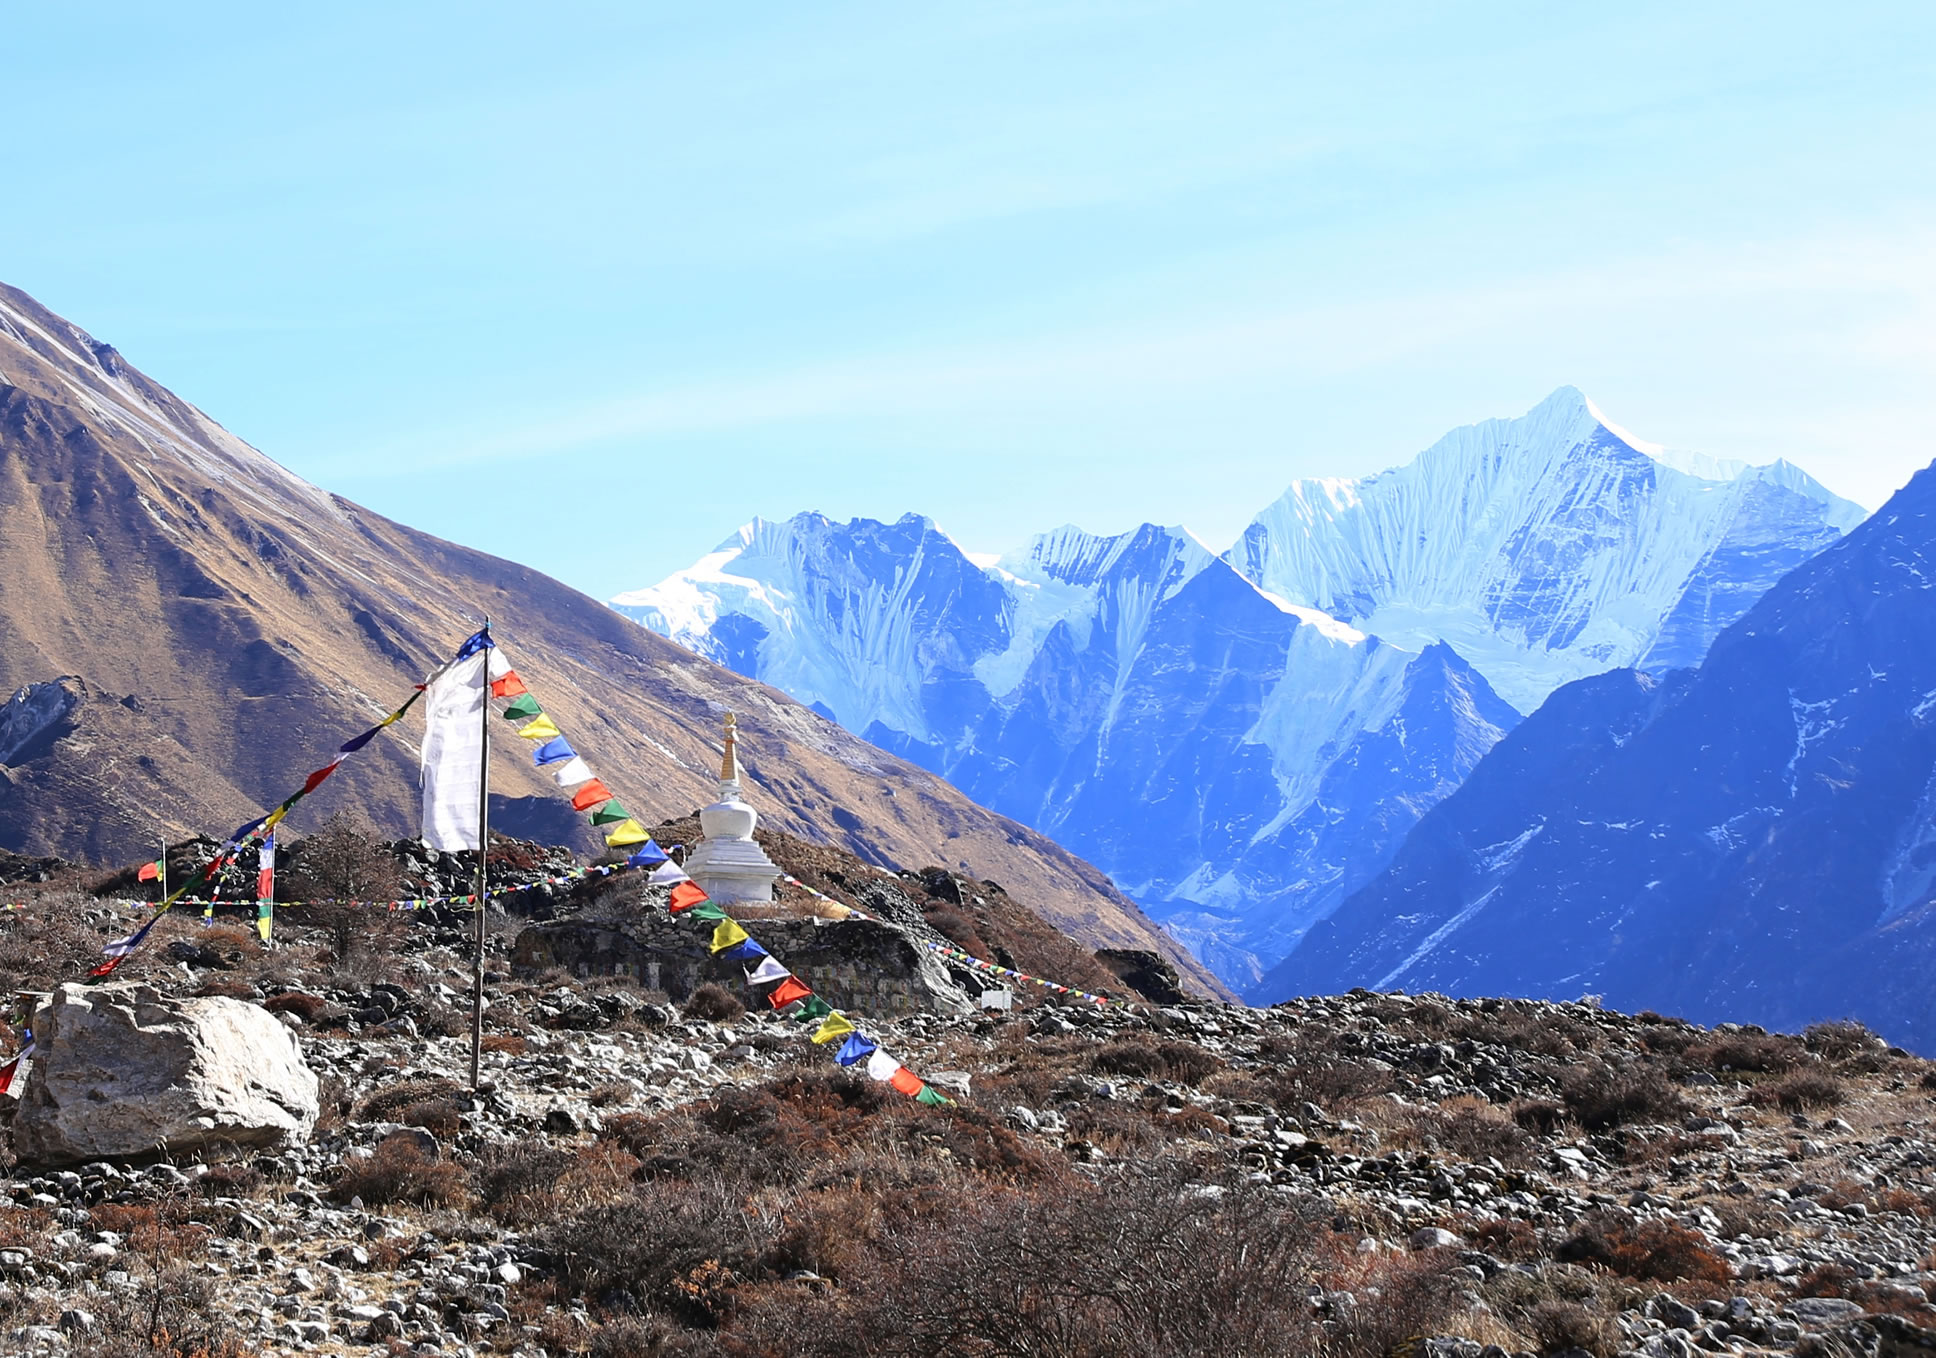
{"points": [[864, 966]]}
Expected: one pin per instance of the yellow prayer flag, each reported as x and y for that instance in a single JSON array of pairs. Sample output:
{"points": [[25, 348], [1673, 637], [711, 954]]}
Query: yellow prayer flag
{"points": [[726, 934], [627, 832], [540, 727], [832, 1028]]}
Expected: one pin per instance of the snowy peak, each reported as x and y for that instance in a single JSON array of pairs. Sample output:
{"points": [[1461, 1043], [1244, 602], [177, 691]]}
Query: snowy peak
{"points": [[1543, 548], [1165, 558]]}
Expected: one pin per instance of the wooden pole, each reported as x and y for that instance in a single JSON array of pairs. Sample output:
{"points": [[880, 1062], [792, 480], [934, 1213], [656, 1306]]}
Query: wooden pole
{"points": [[164, 867], [483, 853]]}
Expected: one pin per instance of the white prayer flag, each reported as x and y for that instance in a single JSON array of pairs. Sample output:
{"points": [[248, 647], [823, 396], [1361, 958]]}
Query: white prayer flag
{"points": [[769, 969], [881, 1066], [667, 873], [453, 754], [573, 772]]}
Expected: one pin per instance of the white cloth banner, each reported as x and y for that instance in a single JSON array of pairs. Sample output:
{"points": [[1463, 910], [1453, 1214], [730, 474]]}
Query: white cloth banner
{"points": [[453, 754], [881, 1066], [573, 772], [769, 969], [667, 873]]}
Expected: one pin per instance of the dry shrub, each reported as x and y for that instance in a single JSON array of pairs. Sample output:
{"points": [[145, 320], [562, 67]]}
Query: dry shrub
{"points": [[1801, 1089], [1138, 1055], [1654, 1251], [1540, 1035], [522, 1185], [608, 1094], [438, 1116], [1311, 1069], [713, 1003], [1505, 1238], [387, 1104], [1841, 1040], [508, 1043], [1540, 1116], [400, 1171], [304, 1006], [1827, 1280], [1760, 1052], [1477, 1130], [1400, 1298], [47, 943], [1747, 1217], [959, 930], [1558, 1326], [1598, 1097]]}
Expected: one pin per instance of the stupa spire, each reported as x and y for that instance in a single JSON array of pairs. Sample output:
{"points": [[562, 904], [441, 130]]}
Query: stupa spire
{"points": [[729, 763]]}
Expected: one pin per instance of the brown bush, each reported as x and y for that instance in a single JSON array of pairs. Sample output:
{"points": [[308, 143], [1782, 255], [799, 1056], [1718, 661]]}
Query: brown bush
{"points": [[1138, 1055], [1760, 1052], [1801, 1089], [1505, 1238], [1841, 1040], [508, 1043], [384, 1105], [1541, 1116], [1598, 1097], [304, 1006], [1558, 1326], [714, 1004], [1656, 1251], [400, 1171], [438, 1116]]}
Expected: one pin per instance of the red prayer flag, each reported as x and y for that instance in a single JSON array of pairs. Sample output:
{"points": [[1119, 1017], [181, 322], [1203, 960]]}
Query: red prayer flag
{"points": [[508, 686], [148, 873], [787, 992], [594, 793], [907, 1082], [686, 895], [7, 1073]]}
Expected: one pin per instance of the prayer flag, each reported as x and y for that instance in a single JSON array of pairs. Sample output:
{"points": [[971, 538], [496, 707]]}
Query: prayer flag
{"points": [[787, 992], [667, 873], [855, 1050], [121, 947], [453, 755], [929, 1095], [907, 1082], [554, 752], [727, 934], [707, 910], [746, 952], [575, 771], [611, 813], [524, 709], [813, 1007], [149, 871], [881, 1066], [768, 970], [834, 1025], [510, 686], [686, 895], [648, 855], [591, 795], [8, 1071], [477, 641], [630, 832], [539, 727], [265, 888]]}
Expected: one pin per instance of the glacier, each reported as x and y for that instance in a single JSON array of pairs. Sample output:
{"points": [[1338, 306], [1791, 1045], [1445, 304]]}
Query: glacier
{"points": [[1242, 739]]}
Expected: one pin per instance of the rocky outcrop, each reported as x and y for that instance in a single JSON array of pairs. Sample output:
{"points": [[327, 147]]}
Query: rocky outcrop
{"points": [[1146, 973], [123, 1071]]}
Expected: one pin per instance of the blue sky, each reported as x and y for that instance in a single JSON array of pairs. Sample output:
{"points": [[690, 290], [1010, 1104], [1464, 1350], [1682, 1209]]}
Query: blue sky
{"points": [[589, 286]]}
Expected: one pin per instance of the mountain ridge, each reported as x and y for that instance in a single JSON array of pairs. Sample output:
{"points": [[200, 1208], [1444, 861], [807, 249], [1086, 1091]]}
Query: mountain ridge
{"points": [[223, 614]]}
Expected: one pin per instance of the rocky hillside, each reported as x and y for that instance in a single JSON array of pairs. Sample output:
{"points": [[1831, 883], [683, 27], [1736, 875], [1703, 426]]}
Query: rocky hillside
{"points": [[190, 629], [1752, 840], [1361, 1175]]}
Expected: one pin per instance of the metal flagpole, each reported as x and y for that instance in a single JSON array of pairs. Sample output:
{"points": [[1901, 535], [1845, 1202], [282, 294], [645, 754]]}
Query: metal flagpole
{"points": [[483, 852]]}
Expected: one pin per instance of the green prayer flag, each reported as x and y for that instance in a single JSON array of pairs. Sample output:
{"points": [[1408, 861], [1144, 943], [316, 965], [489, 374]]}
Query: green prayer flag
{"points": [[705, 910], [929, 1095], [610, 813], [813, 1007], [523, 709]]}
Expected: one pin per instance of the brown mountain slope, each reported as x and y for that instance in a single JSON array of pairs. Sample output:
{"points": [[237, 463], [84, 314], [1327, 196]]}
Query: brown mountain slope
{"points": [[226, 625]]}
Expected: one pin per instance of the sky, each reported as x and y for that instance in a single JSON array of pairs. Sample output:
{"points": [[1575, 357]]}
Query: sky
{"points": [[590, 286]]}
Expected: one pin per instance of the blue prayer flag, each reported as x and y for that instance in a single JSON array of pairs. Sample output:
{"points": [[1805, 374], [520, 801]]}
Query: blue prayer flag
{"points": [[745, 952], [554, 751], [854, 1050], [649, 855], [477, 641]]}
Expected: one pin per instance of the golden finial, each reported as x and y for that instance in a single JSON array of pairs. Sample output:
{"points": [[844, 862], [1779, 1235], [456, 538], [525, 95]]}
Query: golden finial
{"points": [[729, 766]]}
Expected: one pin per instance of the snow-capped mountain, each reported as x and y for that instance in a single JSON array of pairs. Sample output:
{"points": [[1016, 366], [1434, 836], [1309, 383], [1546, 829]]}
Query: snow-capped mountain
{"points": [[1755, 839], [1546, 548], [1242, 740]]}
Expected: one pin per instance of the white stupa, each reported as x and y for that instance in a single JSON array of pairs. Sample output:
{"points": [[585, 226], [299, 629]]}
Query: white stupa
{"points": [[727, 863]]}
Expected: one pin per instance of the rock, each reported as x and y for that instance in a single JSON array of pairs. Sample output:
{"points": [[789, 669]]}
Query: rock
{"points": [[953, 1082], [1823, 1310], [1674, 1313], [122, 1071], [1433, 1238]]}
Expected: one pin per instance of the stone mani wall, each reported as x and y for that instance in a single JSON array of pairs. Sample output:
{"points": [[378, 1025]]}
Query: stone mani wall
{"points": [[857, 965]]}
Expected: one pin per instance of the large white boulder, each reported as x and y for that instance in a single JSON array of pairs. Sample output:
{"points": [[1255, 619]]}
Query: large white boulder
{"points": [[123, 1070]]}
